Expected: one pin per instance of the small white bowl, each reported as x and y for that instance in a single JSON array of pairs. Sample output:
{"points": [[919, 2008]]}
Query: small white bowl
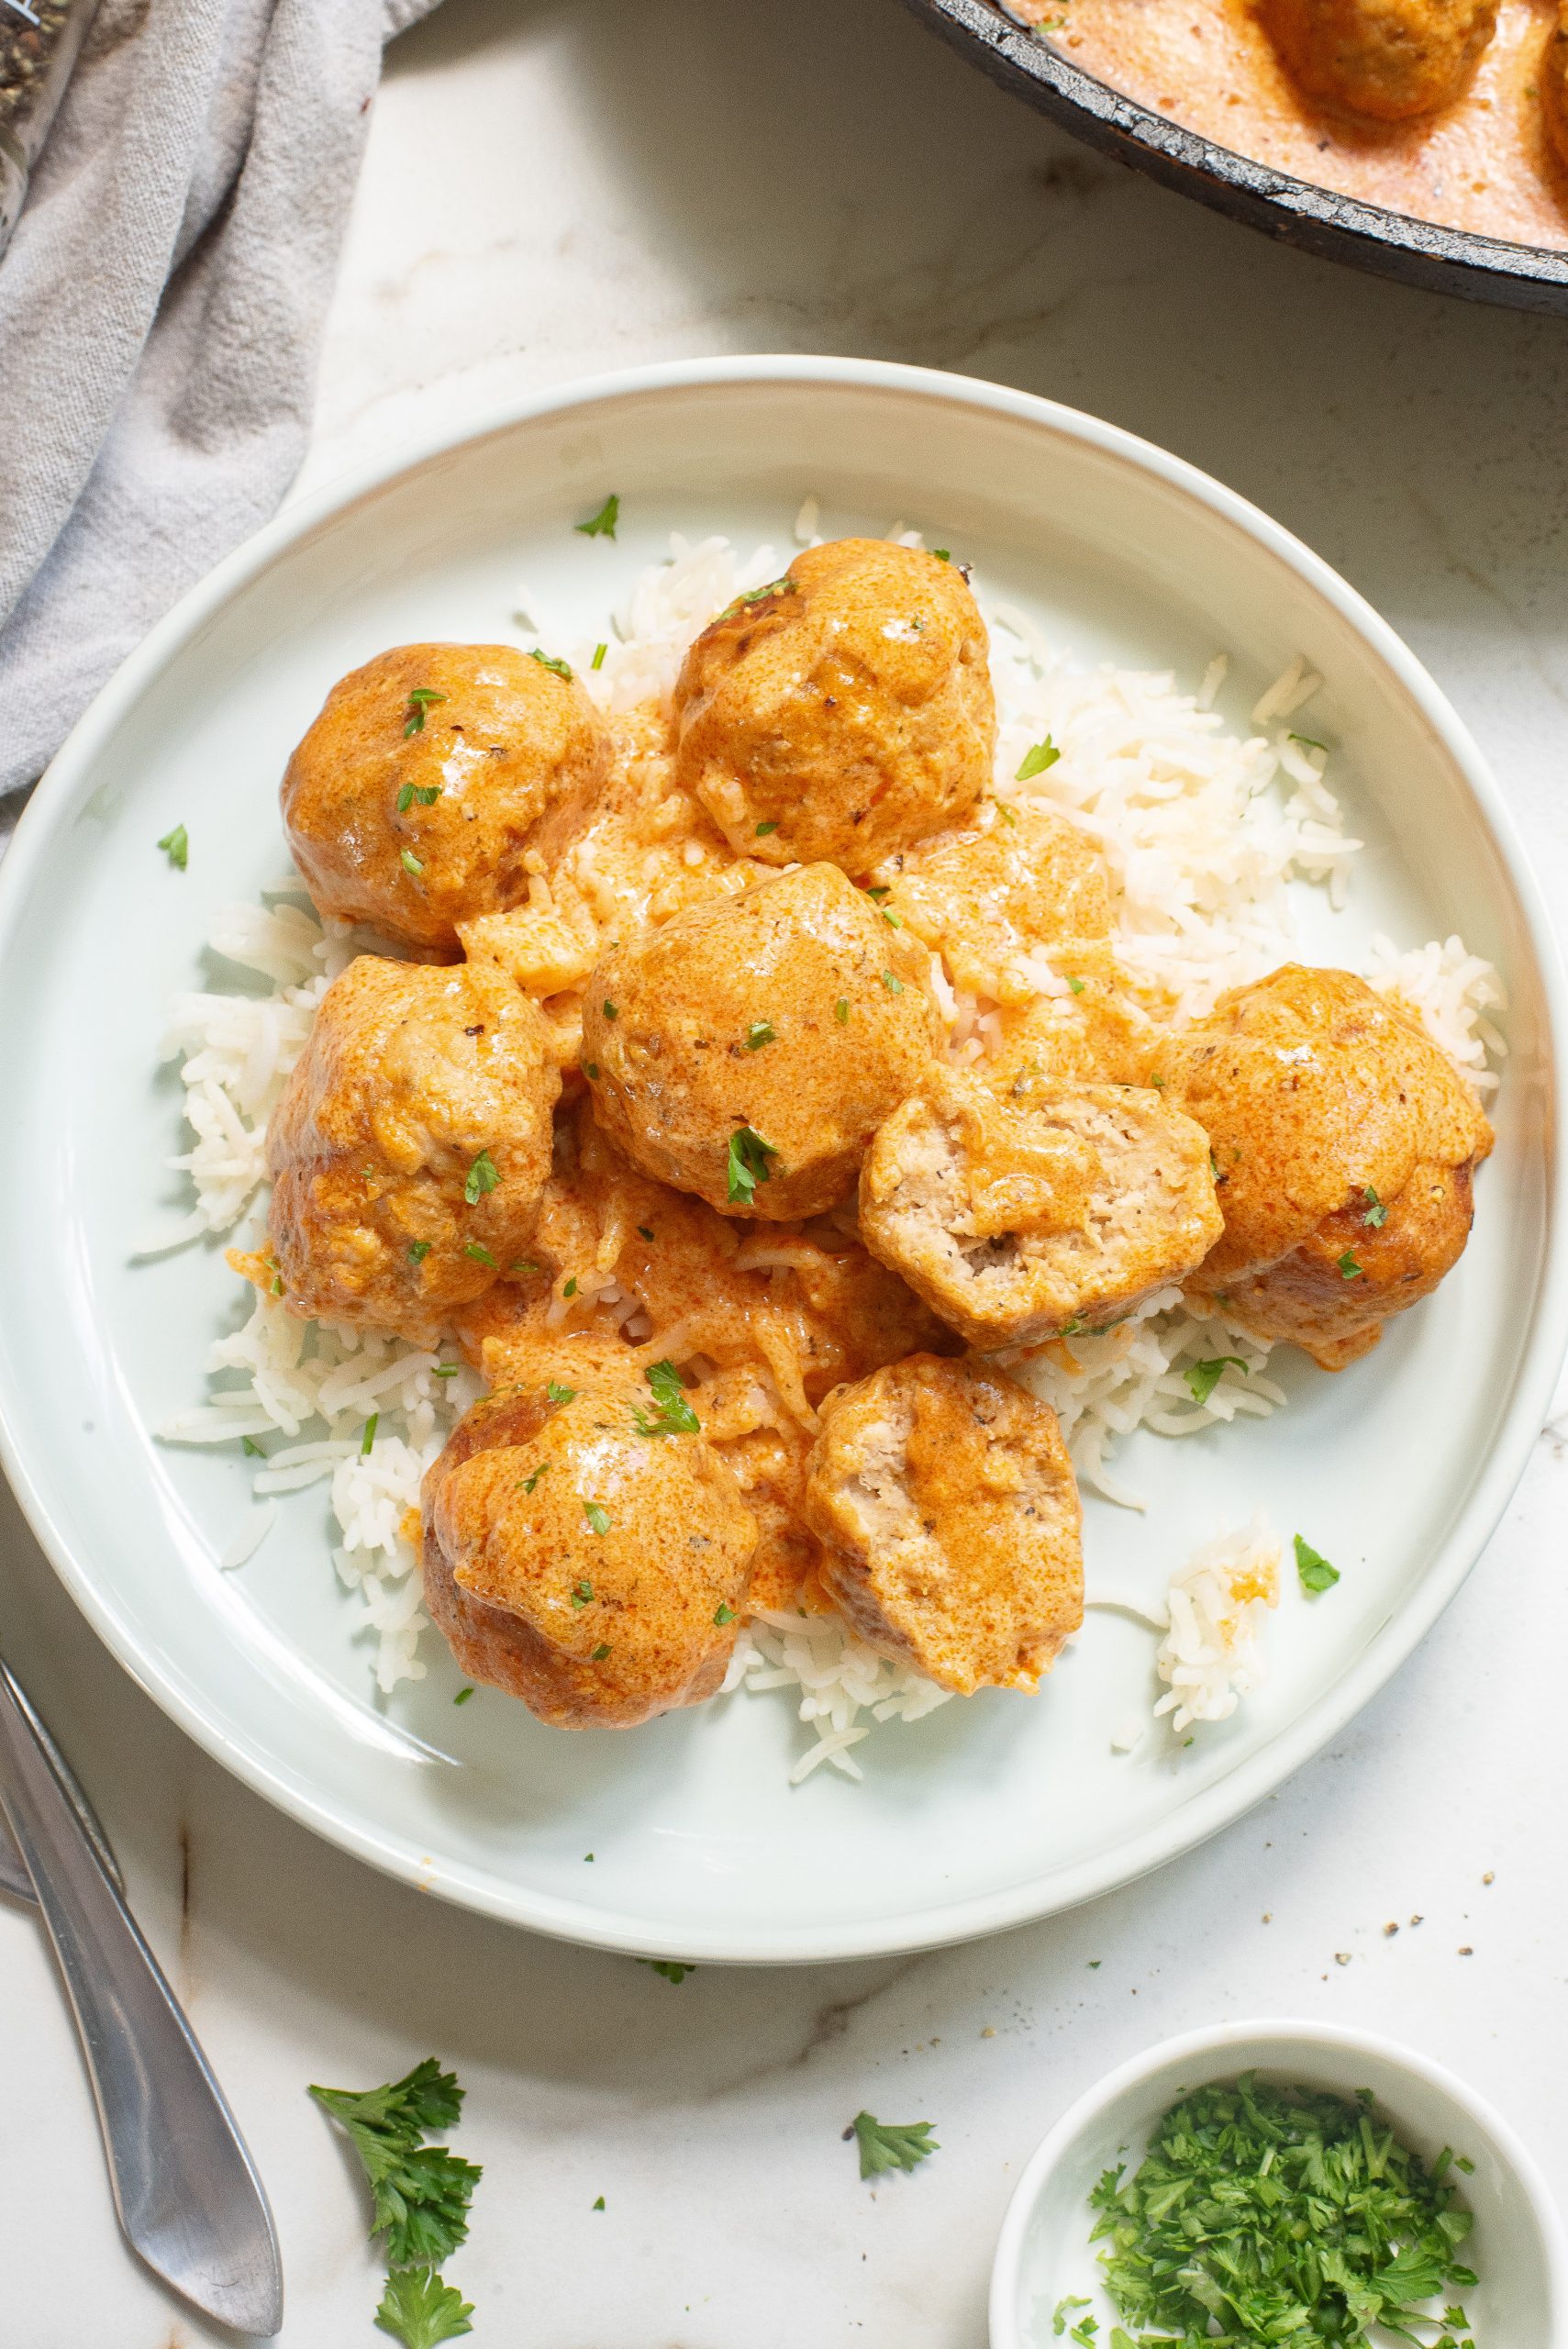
{"points": [[1517, 2247]]}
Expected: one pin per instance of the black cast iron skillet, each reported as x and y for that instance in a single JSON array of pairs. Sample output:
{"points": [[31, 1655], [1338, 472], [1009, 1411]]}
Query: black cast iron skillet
{"points": [[1316, 220]]}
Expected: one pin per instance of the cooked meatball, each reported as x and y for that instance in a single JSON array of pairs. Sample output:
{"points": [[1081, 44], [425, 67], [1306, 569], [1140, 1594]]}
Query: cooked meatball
{"points": [[749, 1049], [1344, 1143], [1553, 83], [1388, 58], [430, 774], [842, 712], [946, 1506], [990, 898], [411, 1145], [583, 1559], [1060, 1206]]}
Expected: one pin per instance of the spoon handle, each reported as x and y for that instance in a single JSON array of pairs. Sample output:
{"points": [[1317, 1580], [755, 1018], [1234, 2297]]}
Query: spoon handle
{"points": [[185, 2188]]}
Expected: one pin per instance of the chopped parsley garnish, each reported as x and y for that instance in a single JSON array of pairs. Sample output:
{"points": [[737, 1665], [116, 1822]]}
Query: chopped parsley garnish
{"points": [[1308, 744], [176, 846], [367, 1442], [1281, 2215], [424, 793], [420, 701], [758, 596], [522, 1265], [556, 1392], [1036, 761], [420, 2192], [483, 1176], [841, 1011], [674, 1415], [645, 1230], [250, 1448], [581, 1592], [417, 1250], [530, 1482], [463, 1695], [1376, 1213], [1063, 2310], [1347, 1268], [893, 920], [612, 1010], [422, 2312], [876, 891], [598, 1518], [763, 829], [1203, 1377], [1077, 985], [446, 1370], [723, 1614], [410, 863], [481, 1255], [600, 2203], [598, 659], [601, 525], [892, 983], [749, 1156], [592, 1072], [761, 1032], [571, 1288], [1313, 1567], [669, 1968], [600, 1653], [892, 2144], [943, 554], [549, 660]]}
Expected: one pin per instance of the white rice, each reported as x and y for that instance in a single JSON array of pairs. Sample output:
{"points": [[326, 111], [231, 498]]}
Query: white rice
{"points": [[1204, 834], [1211, 1655]]}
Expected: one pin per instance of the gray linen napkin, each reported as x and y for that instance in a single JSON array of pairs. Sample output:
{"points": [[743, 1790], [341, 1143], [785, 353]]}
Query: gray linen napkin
{"points": [[160, 309]]}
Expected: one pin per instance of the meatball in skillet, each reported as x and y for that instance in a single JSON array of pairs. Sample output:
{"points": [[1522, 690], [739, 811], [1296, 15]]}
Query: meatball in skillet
{"points": [[587, 1551], [842, 712], [1344, 1143], [410, 1148], [430, 774], [749, 1049], [1022, 1219], [1388, 58], [946, 1506]]}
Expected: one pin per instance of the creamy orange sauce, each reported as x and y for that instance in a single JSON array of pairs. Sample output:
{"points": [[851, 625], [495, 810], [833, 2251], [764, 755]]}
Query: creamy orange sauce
{"points": [[1483, 163]]}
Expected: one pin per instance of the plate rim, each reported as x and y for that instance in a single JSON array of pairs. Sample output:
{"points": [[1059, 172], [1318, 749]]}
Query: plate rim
{"points": [[53, 805]]}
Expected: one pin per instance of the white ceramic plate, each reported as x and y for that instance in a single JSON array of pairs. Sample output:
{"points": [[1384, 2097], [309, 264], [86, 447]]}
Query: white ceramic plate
{"points": [[1397, 1469], [1516, 2246]]}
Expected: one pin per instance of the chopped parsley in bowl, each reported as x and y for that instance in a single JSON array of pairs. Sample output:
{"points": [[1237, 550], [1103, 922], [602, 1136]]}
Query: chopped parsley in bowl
{"points": [[1288, 2183]]}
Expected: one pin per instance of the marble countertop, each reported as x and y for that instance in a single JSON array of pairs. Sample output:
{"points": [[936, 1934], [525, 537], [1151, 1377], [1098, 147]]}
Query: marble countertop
{"points": [[555, 187]]}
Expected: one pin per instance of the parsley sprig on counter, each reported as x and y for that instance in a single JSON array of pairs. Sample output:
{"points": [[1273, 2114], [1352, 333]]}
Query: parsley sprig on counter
{"points": [[1282, 2216], [420, 2195], [892, 2144]]}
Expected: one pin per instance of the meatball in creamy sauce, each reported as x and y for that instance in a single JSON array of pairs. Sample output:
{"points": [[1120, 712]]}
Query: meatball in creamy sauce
{"points": [[789, 1093]]}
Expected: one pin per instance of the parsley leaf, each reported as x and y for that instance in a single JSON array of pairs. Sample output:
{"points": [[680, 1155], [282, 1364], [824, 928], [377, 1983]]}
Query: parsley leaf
{"points": [[674, 1415], [598, 659], [410, 863], [549, 660], [252, 1449], [723, 1614], [1203, 1377], [841, 1011], [601, 525], [556, 1392], [530, 1481], [367, 1442], [892, 983], [483, 1176], [1376, 1213], [892, 2144], [1347, 1267], [597, 1517], [481, 1255], [420, 700], [761, 1032], [426, 794], [420, 2193], [1063, 2310], [764, 828], [749, 1156], [420, 2310], [417, 1250], [670, 1968], [784, 586], [176, 846], [1315, 1573], [1036, 761]]}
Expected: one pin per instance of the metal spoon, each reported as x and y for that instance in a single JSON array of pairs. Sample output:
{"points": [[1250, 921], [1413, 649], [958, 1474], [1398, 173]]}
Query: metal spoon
{"points": [[185, 2188]]}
